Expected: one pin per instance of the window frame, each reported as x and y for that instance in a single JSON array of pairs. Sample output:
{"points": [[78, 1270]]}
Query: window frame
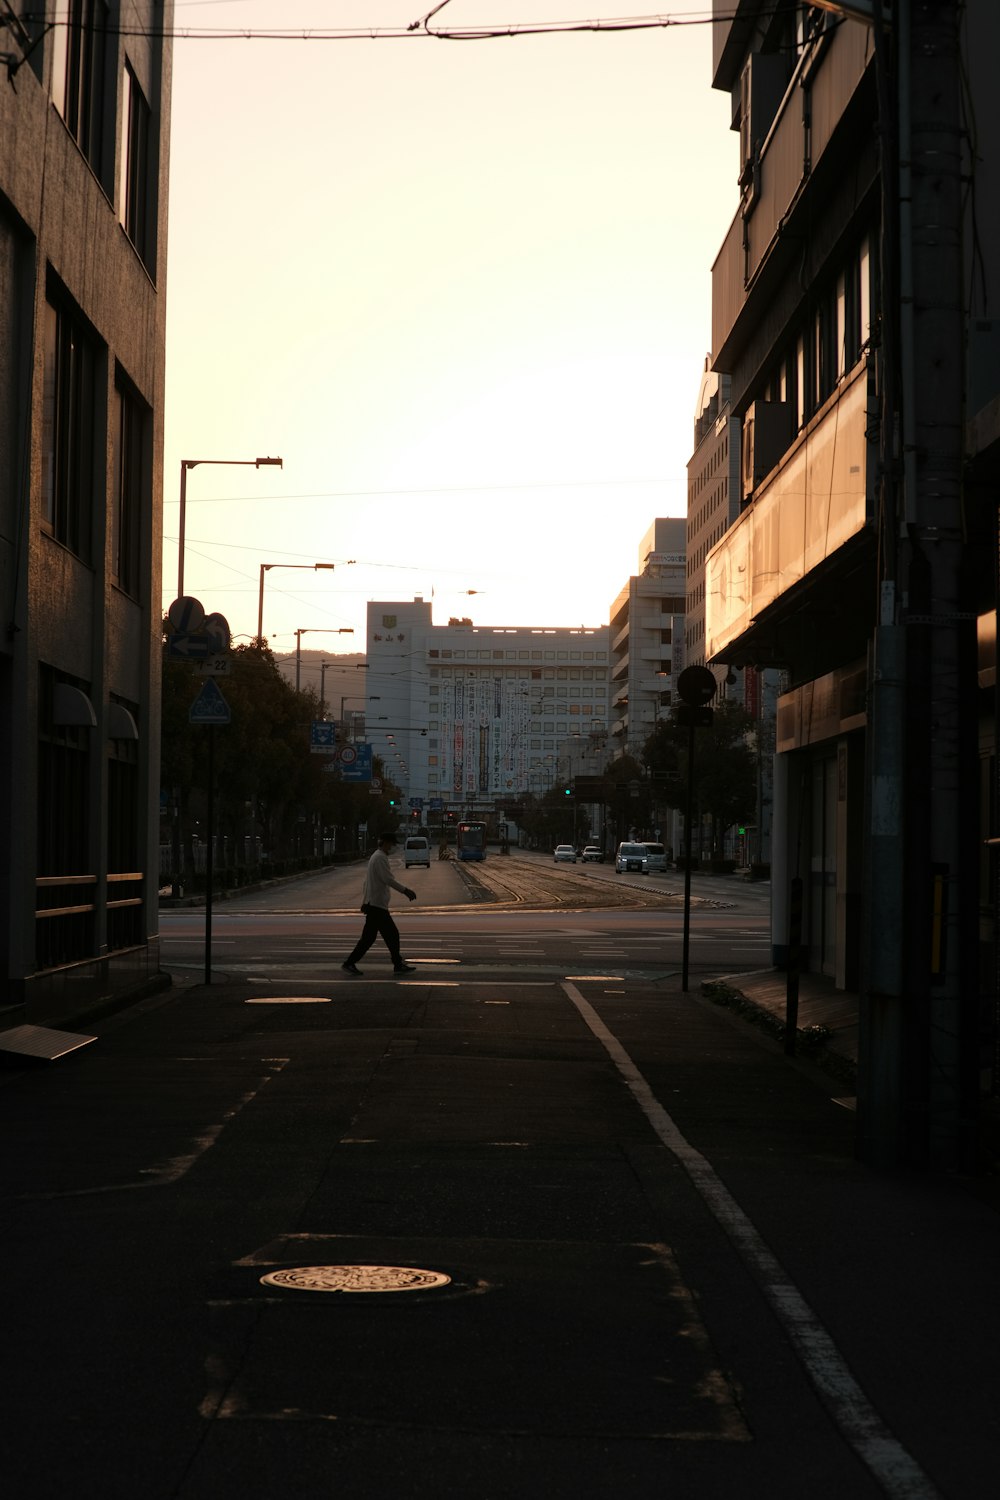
{"points": [[73, 384], [131, 464], [135, 199]]}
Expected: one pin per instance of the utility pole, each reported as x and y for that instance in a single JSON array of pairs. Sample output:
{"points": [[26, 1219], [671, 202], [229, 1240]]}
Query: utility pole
{"points": [[917, 1085]]}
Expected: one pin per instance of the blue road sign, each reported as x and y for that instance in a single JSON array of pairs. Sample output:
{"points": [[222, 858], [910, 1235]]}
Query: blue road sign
{"points": [[186, 613], [190, 645], [323, 737], [209, 707], [356, 763]]}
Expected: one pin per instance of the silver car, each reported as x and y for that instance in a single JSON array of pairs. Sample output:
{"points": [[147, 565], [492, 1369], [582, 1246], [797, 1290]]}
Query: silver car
{"points": [[565, 853]]}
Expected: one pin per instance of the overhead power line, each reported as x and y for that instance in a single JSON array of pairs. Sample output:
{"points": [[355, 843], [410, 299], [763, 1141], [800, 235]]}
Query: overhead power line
{"points": [[417, 30]]}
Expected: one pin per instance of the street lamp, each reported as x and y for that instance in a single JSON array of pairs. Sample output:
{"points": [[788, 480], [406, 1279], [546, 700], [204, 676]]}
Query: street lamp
{"points": [[192, 463], [266, 568], [316, 629]]}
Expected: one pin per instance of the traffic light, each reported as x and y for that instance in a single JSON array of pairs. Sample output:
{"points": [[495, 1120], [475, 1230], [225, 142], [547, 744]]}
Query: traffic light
{"points": [[392, 802], [569, 791]]}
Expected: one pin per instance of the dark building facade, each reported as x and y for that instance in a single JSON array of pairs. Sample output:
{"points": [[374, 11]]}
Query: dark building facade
{"points": [[851, 316], [84, 121]]}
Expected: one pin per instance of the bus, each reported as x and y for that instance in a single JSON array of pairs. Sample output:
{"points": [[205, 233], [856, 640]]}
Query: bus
{"points": [[471, 842]]}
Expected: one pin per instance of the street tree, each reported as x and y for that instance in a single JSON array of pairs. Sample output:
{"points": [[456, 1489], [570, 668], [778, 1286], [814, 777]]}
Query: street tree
{"points": [[725, 768]]}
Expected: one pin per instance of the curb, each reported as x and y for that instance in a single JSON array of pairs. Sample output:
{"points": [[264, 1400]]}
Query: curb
{"points": [[811, 1042]]}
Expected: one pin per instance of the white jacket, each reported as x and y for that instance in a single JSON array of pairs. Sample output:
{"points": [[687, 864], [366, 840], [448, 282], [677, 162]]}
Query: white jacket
{"points": [[379, 881]]}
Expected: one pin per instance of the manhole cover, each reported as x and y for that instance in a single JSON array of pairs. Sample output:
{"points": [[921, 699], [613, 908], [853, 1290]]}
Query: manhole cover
{"points": [[355, 1279]]}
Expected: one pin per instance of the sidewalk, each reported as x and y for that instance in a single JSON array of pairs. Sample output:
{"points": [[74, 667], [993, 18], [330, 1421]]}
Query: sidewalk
{"points": [[827, 1035], [827, 1023]]}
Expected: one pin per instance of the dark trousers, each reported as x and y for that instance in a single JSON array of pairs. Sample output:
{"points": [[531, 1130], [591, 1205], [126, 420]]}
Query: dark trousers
{"points": [[378, 923]]}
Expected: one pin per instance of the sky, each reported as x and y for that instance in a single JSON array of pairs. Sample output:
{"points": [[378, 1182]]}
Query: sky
{"points": [[461, 287]]}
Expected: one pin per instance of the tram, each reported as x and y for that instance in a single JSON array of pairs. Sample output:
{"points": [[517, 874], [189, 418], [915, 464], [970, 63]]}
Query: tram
{"points": [[471, 841]]}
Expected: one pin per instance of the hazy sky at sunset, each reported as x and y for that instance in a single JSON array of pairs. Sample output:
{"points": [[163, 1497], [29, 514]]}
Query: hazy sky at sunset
{"points": [[462, 288]]}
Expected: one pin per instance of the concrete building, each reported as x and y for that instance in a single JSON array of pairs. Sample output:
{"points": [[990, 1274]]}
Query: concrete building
{"points": [[84, 121], [850, 313], [647, 636], [715, 497], [470, 718]]}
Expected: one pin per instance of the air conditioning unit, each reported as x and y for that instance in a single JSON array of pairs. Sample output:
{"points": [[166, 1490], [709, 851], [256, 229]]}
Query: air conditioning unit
{"points": [[767, 432]]}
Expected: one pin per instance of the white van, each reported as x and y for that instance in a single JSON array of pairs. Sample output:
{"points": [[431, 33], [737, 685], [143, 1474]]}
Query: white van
{"points": [[416, 851], [656, 859], [631, 857]]}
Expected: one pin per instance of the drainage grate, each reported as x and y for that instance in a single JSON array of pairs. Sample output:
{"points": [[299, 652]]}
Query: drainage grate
{"points": [[355, 1279]]}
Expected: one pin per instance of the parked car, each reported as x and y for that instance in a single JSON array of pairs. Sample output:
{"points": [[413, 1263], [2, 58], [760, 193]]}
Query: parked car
{"points": [[593, 855], [565, 853], [630, 857], [416, 851], [656, 858]]}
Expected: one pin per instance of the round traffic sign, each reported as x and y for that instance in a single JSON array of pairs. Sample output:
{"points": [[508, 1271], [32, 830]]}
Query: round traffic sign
{"points": [[348, 755], [186, 614], [696, 686], [216, 627]]}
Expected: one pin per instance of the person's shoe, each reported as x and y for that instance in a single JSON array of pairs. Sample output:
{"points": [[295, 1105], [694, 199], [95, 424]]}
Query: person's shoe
{"points": [[353, 970], [404, 968]]}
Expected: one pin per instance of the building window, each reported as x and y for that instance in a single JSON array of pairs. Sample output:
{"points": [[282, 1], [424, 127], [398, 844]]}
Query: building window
{"points": [[72, 364], [131, 465], [80, 41], [135, 199]]}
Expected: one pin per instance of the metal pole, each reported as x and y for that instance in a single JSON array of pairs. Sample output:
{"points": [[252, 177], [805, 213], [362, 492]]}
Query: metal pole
{"points": [[298, 659], [688, 820], [209, 860], [260, 605], [180, 530]]}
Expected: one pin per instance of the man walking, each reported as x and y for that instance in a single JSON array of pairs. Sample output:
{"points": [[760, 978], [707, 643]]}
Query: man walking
{"points": [[375, 905]]}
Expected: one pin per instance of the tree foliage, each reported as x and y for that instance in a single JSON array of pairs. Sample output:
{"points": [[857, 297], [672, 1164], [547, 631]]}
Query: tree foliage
{"points": [[271, 792], [725, 767]]}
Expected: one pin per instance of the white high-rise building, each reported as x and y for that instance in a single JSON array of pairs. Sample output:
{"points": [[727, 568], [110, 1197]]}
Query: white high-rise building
{"points": [[469, 718]]}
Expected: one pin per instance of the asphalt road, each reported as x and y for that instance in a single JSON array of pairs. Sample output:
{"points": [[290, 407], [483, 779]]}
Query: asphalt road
{"points": [[520, 914], [635, 1255]]}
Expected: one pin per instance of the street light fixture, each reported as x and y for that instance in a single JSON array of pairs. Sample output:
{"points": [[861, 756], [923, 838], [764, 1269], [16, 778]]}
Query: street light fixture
{"points": [[305, 630], [192, 463], [266, 568]]}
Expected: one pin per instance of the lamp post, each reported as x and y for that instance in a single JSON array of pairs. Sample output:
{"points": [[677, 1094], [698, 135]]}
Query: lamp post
{"points": [[192, 463], [305, 630], [266, 568]]}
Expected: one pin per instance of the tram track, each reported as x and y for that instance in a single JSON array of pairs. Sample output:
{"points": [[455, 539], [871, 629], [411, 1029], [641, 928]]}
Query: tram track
{"points": [[520, 886]]}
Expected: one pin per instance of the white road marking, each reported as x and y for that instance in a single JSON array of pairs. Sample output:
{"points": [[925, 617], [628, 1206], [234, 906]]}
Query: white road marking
{"points": [[883, 1454]]}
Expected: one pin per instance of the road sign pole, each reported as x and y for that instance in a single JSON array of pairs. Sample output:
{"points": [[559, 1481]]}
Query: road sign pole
{"points": [[209, 860], [688, 820], [696, 688]]}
